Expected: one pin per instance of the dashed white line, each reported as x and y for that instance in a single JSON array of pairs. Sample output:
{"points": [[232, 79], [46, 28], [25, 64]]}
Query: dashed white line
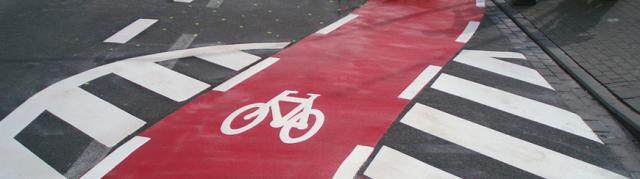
{"points": [[112, 160], [183, 1], [133, 29], [232, 60], [524, 107], [468, 32], [416, 86], [510, 150], [392, 164], [352, 163], [246, 74], [487, 60], [333, 26]]}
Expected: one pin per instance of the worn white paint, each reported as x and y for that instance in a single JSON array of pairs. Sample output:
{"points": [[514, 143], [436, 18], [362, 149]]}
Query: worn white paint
{"points": [[392, 164], [468, 32], [350, 166], [19, 162], [416, 85], [246, 74], [524, 107], [112, 160], [232, 60], [335, 25], [510, 150], [183, 1], [133, 29], [487, 60], [214, 3]]}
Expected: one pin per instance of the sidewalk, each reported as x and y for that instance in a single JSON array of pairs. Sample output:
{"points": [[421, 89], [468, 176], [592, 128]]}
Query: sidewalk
{"points": [[600, 36]]}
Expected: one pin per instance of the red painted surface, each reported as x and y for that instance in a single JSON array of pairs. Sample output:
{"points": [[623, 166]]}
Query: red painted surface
{"points": [[359, 70]]}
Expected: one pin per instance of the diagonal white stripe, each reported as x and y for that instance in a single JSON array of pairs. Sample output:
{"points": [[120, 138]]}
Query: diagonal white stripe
{"points": [[517, 105], [391, 164], [233, 60], [133, 29], [515, 152], [486, 60]]}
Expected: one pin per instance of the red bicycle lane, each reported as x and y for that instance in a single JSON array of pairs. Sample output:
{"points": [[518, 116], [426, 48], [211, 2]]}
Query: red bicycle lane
{"points": [[359, 70]]}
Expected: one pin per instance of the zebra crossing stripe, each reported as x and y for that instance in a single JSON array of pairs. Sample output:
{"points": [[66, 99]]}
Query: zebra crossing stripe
{"points": [[524, 107], [112, 160], [349, 167], [94, 116], [233, 60], [487, 60], [416, 86], [392, 164], [510, 150], [164, 81]]}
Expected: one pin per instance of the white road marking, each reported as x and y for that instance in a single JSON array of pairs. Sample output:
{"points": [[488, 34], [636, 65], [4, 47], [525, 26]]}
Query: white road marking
{"points": [[164, 81], [510, 150], [232, 60], [333, 26], [392, 164], [524, 107], [416, 86], [95, 117], [350, 166], [479, 3], [183, 42], [133, 29], [487, 60], [19, 162], [183, 1], [112, 160], [245, 74], [468, 32], [214, 3]]}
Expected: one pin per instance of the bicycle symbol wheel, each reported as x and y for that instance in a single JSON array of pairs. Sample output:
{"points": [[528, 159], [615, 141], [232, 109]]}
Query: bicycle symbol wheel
{"points": [[260, 113]]}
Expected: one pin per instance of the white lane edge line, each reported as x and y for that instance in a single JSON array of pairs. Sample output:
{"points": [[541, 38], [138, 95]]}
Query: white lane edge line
{"points": [[112, 160], [130, 31], [350, 166], [468, 32], [519, 153], [335, 25], [526, 108], [480, 3], [245, 74], [392, 164], [420, 82]]}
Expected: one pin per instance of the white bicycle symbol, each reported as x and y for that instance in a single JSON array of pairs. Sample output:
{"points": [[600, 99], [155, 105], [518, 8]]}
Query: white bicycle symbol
{"points": [[298, 117]]}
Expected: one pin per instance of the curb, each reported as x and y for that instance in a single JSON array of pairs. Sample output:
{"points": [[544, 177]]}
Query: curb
{"points": [[629, 118]]}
